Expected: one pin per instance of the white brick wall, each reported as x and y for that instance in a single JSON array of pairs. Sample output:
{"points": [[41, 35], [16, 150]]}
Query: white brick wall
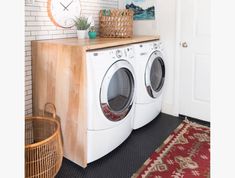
{"points": [[38, 26]]}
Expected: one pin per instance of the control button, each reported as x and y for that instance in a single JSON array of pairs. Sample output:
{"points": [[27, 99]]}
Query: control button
{"points": [[155, 45], [130, 52], [143, 54], [112, 54], [119, 53]]}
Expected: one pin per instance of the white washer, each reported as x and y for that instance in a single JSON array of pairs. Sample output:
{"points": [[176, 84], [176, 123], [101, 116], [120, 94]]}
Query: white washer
{"points": [[111, 95], [150, 76]]}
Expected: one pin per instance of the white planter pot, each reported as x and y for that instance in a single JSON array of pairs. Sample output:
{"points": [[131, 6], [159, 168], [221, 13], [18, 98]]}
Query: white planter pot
{"points": [[82, 34]]}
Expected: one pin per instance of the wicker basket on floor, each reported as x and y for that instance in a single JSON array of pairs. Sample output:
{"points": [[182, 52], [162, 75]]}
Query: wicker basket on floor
{"points": [[116, 23], [43, 145]]}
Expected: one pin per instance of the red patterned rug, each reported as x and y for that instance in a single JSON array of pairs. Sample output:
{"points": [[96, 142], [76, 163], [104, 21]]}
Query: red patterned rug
{"points": [[184, 154]]}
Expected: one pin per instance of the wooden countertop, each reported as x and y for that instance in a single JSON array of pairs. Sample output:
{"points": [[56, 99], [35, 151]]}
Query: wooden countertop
{"points": [[91, 44]]}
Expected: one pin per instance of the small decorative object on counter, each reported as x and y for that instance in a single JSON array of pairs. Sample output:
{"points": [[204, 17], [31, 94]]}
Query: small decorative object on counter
{"points": [[82, 26], [116, 23], [92, 32], [43, 145]]}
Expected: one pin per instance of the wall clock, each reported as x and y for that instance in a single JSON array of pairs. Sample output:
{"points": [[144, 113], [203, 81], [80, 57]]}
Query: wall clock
{"points": [[62, 12]]}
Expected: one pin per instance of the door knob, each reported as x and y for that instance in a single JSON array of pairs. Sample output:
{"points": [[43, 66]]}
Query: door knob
{"points": [[184, 44]]}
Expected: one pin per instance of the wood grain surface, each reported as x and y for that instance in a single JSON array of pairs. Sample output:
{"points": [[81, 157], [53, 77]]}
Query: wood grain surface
{"points": [[91, 44], [59, 78]]}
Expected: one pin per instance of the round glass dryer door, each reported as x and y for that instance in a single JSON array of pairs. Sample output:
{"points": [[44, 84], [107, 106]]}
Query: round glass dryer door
{"points": [[117, 91], [155, 74]]}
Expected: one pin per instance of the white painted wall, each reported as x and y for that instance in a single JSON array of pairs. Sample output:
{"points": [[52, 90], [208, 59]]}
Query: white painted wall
{"points": [[165, 25]]}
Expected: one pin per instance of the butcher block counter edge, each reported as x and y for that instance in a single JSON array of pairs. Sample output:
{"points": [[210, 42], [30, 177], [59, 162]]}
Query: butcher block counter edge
{"points": [[98, 43]]}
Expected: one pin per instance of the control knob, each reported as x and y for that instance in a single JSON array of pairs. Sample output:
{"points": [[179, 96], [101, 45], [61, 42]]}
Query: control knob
{"points": [[130, 52], [155, 45], [119, 53]]}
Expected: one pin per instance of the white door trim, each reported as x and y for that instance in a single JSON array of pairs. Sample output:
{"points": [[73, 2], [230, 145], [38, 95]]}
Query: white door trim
{"points": [[177, 59]]}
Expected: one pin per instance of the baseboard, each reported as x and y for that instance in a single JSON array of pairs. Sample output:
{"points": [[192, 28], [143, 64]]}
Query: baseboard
{"points": [[195, 120], [168, 109]]}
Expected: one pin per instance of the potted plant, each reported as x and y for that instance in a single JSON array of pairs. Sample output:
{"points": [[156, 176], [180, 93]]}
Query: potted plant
{"points": [[92, 32], [82, 26]]}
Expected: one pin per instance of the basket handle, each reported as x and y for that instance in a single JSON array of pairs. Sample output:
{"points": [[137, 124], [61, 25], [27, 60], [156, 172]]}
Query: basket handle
{"points": [[53, 108]]}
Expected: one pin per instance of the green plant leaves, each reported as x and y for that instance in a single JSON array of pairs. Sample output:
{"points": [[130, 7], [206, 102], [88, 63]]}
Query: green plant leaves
{"points": [[81, 23], [92, 29]]}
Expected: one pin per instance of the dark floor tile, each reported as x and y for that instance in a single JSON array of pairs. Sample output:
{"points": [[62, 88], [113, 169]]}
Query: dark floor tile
{"points": [[129, 156]]}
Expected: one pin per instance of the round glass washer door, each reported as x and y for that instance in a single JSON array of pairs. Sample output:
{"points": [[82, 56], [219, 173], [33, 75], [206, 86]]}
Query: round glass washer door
{"points": [[117, 91], [155, 74]]}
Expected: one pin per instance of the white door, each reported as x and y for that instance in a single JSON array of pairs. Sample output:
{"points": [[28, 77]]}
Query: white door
{"points": [[195, 59]]}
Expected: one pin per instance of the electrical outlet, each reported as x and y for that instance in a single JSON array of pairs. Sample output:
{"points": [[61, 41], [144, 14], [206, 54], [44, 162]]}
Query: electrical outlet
{"points": [[31, 2]]}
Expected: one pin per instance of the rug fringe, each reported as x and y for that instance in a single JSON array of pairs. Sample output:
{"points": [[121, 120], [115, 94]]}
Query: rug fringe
{"points": [[194, 124], [134, 175]]}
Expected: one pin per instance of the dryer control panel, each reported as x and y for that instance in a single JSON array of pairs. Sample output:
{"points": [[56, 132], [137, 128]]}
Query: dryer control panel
{"points": [[157, 45], [124, 52]]}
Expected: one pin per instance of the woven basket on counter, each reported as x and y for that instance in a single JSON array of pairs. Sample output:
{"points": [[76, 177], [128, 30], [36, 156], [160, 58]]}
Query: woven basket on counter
{"points": [[43, 145], [116, 23]]}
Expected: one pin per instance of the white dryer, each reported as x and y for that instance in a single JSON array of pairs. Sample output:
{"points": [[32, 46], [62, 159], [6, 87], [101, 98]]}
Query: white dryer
{"points": [[150, 76], [111, 95]]}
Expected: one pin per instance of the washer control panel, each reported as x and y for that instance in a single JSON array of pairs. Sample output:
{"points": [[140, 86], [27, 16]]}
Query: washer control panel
{"points": [[119, 53], [130, 52]]}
